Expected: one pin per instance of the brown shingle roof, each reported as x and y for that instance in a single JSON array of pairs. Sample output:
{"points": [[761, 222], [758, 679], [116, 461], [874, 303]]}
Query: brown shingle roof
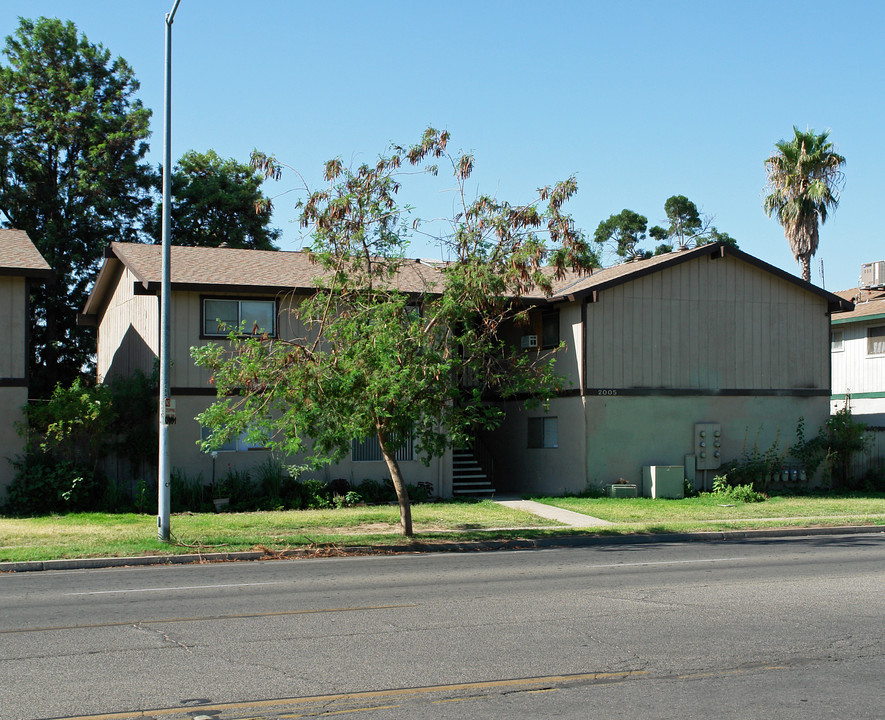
{"points": [[201, 267], [867, 304], [19, 256], [234, 270]]}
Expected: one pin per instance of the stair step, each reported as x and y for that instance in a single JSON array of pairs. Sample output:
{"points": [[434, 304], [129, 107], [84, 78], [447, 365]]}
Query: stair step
{"points": [[468, 476]]}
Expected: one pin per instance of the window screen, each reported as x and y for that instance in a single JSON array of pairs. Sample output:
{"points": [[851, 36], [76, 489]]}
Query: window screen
{"points": [[876, 340], [836, 340], [369, 450]]}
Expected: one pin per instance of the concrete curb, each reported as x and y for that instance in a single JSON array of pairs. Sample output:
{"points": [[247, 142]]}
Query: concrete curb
{"points": [[419, 547]]}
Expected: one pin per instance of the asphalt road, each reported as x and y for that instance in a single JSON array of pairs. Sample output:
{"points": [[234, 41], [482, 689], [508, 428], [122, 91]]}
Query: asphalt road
{"points": [[778, 628]]}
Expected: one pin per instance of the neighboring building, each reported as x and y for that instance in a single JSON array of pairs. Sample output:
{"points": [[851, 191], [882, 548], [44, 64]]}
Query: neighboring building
{"points": [[857, 344], [20, 265], [652, 348]]}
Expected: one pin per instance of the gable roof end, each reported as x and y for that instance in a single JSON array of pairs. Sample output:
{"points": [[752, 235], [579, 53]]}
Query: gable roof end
{"points": [[628, 271], [19, 256]]}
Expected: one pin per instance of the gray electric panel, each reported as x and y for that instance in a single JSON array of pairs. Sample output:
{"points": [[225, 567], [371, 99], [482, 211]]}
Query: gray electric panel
{"points": [[707, 445]]}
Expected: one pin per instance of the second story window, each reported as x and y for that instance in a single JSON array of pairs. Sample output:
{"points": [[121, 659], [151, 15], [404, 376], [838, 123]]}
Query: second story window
{"points": [[876, 340], [221, 315], [550, 330]]}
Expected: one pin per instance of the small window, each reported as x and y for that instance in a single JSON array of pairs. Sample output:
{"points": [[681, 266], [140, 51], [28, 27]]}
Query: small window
{"points": [[221, 315], [836, 341], [543, 432], [237, 444], [369, 450], [550, 330], [876, 340]]}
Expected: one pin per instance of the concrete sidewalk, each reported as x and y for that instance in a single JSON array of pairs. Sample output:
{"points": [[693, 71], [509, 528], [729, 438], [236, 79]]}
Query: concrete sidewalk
{"points": [[567, 517]]}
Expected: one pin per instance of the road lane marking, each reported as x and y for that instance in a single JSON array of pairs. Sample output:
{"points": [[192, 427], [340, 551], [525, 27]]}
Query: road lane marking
{"points": [[369, 694], [342, 712], [180, 587], [281, 613], [665, 562]]}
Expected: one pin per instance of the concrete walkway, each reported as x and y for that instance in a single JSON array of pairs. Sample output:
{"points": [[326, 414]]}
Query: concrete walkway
{"points": [[549, 512]]}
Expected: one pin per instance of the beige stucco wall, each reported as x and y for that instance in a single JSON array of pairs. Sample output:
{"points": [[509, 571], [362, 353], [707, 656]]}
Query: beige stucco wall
{"points": [[626, 433], [519, 468], [186, 455], [603, 439], [12, 399]]}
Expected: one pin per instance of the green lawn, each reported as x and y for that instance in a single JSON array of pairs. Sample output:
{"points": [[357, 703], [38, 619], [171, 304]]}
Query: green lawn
{"points": [[711, 512], [106, 535]]}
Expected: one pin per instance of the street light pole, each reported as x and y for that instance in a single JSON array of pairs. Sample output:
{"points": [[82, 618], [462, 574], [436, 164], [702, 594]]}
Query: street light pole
{"points": [[163, 470]]}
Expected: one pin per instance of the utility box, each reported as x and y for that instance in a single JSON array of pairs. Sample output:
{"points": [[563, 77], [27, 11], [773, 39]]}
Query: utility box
{"points": [[663, 481], [872, 274], [622, 490]]}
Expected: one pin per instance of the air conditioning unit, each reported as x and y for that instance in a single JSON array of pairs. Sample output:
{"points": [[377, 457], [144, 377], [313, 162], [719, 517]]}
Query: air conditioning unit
{"points": [[529, 341], [872, 274]]}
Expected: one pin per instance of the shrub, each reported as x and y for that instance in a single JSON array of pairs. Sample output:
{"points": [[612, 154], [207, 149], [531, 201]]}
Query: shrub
{"points": [[755, 466], [187, 494], [349, 499], [844, 438], [420, 493], [739, 493], [339, 486], [375, 492], [316, 494], [236, 485], [270, 476], [44, 484]]}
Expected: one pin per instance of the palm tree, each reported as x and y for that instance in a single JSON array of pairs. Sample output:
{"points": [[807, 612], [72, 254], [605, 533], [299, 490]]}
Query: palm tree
{"points": [[804, 180]]}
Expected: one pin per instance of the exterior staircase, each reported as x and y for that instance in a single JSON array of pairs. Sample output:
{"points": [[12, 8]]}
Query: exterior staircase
{"points": [[469, 478]]}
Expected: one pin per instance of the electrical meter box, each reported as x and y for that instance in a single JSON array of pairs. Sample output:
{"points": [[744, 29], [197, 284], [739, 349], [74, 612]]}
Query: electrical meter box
{"points": [[707, 446]]}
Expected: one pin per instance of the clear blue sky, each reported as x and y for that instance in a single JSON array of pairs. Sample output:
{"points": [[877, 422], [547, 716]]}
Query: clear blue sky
{"points": [[641, 100]]}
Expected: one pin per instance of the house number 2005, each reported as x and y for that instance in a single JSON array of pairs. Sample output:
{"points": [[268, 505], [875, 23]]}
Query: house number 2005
{"points": [[606, 392]]}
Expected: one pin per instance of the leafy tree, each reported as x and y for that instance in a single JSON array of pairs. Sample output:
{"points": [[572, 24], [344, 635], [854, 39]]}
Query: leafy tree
{"points": [[804, 182], [625, 231], [685, 220], [72, 175], [377, 361], [686, 227], [215, 201]]}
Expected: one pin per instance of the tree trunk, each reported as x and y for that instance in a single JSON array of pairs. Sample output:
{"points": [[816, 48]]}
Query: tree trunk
{"points": [[805, 266], [405, 506]]}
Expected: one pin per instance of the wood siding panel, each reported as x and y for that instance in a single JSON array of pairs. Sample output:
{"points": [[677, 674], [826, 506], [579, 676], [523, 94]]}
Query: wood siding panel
{"points": [[128, 331], [708, 325], [12, 327]]}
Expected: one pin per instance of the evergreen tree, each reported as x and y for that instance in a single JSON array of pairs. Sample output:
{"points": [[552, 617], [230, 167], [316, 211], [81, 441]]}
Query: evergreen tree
{"points": [[72, 175]]}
